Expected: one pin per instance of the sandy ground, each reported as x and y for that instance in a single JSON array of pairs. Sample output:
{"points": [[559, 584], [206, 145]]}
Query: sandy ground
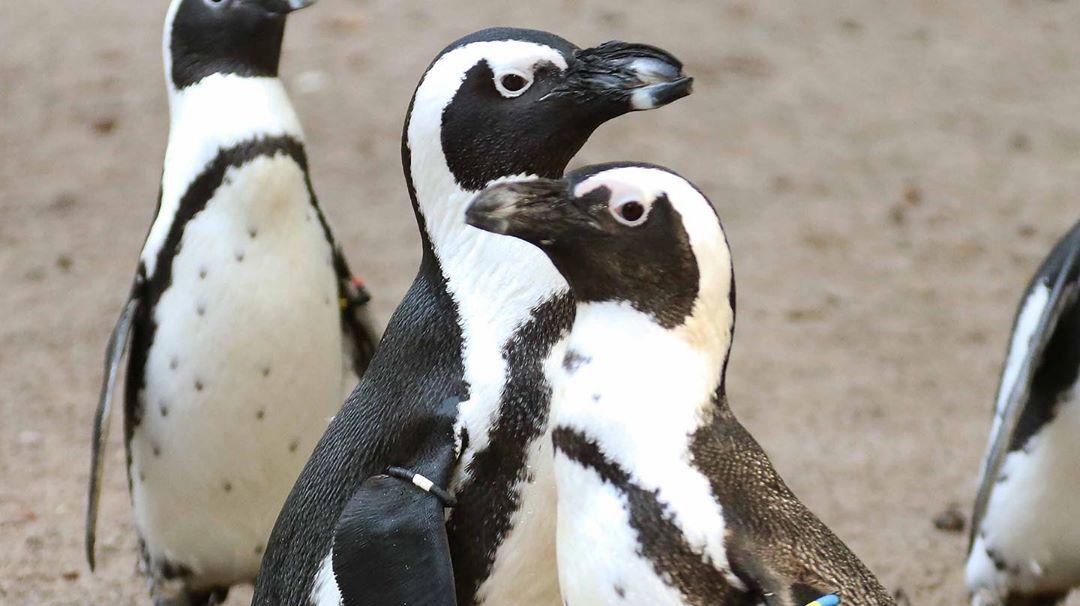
{"points": [[889, 174]]}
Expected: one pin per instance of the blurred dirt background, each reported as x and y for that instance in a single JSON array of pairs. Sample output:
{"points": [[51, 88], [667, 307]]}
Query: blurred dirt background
{"points": [[889, 173]]}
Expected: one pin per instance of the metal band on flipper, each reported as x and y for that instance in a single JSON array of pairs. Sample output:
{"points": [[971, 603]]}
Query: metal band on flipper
{"points": [[422, 483]]}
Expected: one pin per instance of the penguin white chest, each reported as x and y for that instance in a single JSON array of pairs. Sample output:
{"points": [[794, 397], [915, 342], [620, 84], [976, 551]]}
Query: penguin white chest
{"points": [[523, 571], [1029, 539], [637, 440], [243, 373], [599, 555]]}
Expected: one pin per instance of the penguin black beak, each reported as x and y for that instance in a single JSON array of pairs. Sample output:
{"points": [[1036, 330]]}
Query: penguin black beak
{"points": [[538, 211], [624, 77], [284, 7]]}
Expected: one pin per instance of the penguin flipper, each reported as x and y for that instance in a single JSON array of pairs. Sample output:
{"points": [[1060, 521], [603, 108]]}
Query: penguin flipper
{"points": [[360, 333], [114, 355], [1063, 284], [390, 545], [770, 585]]}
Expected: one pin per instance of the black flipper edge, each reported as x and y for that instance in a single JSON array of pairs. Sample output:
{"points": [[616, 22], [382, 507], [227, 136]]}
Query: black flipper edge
{"points": [[114, 355], [1059, 296]]}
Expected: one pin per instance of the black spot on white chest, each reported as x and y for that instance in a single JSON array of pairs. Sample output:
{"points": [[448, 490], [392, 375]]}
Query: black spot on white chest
{"points": [[246, 359], [248, 287], [573, 361]]}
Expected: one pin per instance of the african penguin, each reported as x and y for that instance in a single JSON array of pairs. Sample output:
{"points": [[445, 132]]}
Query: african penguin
{"points": [[663, 497], [1025, 539], [457, 391], [245, 327]]}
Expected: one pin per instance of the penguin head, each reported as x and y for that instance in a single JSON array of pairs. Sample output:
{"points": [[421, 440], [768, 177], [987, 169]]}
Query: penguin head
{"points": [[506, 102], [631, 234], [242, 37]]}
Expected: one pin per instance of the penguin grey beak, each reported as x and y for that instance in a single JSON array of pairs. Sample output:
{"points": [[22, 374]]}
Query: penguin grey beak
{"points": [[538, 211], [625, 77]]}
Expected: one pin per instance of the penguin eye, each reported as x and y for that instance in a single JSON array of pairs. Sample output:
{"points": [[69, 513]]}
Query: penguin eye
{"points": [[630, 212], [513, 83], [216, 3]]}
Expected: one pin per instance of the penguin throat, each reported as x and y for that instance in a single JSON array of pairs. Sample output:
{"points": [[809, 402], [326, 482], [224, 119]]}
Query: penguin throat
{"points": [[637, 388], [234, 104], [615, 335], [491, 277], [219, 113], [222, 111]]}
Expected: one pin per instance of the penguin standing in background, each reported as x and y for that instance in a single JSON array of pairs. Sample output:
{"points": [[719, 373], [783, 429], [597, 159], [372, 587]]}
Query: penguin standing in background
{"points": [[244, 327], [663, 497], [456, 398], [1025, 537]]}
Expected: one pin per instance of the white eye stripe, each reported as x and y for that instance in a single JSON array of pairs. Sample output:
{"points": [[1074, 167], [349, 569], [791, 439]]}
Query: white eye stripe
{"points": [[628, 203], [513, 82]]}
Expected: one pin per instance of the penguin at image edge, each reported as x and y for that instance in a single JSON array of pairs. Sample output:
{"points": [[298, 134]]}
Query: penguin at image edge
{"points": [[244, 328], [1024, 547]]}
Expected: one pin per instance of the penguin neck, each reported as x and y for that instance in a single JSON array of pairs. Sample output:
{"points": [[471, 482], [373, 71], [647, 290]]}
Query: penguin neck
{"points": [[490, 275], [224, 108], [218, 113], [649, 376], [228, 109], [637, 389], [498, 285], [496, 281]]}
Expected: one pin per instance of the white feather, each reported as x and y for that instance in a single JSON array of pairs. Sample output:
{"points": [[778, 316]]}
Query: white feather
{"points": [[598, 551], [524, 572], [1026, 322], [325, 591], [1030, 520], [641, 394]]}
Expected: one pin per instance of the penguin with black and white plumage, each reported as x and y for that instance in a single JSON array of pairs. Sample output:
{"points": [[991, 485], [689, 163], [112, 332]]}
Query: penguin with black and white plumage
{"points": [[457, 391], [663, 497], [1025, 539], [244, 326]]}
